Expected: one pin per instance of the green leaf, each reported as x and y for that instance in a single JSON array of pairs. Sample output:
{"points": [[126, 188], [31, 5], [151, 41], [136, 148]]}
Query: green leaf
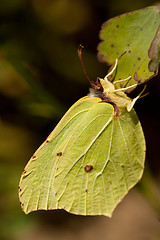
{"points": [[154, 52], [88, 163], [134, 39]]}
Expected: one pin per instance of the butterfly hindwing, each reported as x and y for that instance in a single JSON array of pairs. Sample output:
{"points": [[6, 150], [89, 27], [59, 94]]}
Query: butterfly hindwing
{"points": [[103, 159]]}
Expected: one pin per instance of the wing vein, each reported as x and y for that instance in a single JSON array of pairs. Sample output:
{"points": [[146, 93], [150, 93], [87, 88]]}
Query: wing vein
{"points": [[110, 119], [128, 153]]}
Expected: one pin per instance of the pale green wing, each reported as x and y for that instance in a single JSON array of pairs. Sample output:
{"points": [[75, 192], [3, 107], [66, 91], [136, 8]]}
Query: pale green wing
{"points": [[36, 184], [103, 159]]}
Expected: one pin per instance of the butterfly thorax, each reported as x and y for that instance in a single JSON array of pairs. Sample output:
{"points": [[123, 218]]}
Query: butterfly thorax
{"points": [[116, 96]]}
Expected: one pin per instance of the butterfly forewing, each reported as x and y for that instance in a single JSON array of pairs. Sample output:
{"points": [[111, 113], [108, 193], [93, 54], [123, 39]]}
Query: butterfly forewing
{"points": [[36, 185]]}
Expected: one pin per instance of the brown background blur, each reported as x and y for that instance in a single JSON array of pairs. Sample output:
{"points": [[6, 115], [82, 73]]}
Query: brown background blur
{"points": [[40, 78]]}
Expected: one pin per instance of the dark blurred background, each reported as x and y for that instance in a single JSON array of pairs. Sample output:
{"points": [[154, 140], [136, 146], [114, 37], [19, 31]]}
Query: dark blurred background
{"points": [[40, 78]]}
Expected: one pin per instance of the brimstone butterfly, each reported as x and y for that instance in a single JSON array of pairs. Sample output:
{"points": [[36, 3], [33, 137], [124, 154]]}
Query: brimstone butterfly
{"points": [[91, 159]]}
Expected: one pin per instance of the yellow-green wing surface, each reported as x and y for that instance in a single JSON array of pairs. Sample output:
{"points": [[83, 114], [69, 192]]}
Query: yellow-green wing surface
{"points": [[103, 159], [36, 183], [87, 164]]}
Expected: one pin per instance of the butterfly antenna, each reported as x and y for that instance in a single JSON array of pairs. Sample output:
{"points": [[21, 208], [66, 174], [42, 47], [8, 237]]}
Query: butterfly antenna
{"points": [[81, 47]]}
